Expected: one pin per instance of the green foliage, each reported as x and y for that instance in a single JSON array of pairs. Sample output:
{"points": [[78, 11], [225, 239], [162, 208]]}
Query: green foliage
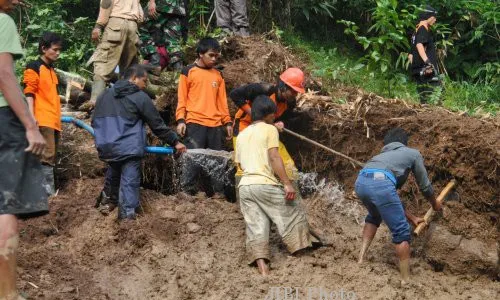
{"points": [[56, 16], [471, 97], [335, 67], [387, 43], [198, 12], [467, 31], [314, 8]]}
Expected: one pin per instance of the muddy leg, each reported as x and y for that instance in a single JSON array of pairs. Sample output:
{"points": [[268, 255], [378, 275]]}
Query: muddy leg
{"points": [[9, 240], [403, 253], [369, 232]]}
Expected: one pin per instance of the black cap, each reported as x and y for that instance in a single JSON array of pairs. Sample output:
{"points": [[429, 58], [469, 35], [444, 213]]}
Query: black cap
{"points": [[426, 13]]}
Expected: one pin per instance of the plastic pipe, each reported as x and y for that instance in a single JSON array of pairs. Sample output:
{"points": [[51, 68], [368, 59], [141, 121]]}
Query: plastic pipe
{"points": [[85, 126], [159, 150]]}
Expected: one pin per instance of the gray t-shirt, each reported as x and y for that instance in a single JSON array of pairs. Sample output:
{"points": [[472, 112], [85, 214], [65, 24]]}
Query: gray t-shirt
{"points": [[9, 43], [400, 160]]}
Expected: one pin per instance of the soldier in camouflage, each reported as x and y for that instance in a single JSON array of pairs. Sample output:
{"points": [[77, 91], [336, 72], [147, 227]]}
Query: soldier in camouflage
{"points": [[163, 32]]}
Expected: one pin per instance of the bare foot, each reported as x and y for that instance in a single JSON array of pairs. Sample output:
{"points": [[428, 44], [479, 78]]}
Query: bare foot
{"points": [[263, 267]]}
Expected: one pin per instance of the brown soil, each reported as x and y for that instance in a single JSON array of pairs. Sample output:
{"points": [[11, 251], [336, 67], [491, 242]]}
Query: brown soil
{"points": [[194, 248]]}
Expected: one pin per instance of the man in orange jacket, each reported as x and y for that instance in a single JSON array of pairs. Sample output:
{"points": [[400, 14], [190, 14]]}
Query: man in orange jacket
{"points": [[41, 82], [283, 94], [202, 112]]}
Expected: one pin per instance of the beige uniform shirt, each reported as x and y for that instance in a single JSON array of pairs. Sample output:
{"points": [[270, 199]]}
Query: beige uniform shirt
{"points": [[124, 9], [252, 145]]}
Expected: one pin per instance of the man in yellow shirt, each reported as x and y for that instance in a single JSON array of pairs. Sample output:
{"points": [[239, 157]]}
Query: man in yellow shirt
{"points": [[264, 198]]}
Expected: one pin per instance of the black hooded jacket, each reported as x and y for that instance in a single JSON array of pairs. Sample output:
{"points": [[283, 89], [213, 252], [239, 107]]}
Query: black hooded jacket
{"points": [[118, 122]]}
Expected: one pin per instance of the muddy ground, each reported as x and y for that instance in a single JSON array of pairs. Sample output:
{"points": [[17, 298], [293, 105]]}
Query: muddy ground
{"points": [[193, 248], [186, 247]]}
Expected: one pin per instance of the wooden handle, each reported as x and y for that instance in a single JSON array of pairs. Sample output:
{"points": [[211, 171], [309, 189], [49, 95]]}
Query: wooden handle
{"points": [[357, 162], [430, 213]]}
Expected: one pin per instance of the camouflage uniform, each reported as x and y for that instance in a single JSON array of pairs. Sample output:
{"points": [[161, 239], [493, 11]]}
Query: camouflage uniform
{"points": [[166, 30]]}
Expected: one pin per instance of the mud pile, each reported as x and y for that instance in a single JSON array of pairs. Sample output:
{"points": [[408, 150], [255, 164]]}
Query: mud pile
{"points": [[193, 248], [77, 156]]}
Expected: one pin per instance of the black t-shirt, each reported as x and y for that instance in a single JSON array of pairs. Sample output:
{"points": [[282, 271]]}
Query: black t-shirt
{"points": [[424, 37]]}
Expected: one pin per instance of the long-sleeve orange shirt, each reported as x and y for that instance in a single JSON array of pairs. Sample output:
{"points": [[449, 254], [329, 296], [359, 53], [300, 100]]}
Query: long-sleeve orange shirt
{"points": [[202, 97], [41, 82]]}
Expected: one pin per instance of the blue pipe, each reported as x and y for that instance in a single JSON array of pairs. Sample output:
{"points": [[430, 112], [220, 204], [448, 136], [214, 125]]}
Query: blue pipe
{"points": [[83, 125], [159, 150]]}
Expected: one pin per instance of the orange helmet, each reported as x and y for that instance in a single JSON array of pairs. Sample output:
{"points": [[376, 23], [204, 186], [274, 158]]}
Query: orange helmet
{"points": [[294, 78]]}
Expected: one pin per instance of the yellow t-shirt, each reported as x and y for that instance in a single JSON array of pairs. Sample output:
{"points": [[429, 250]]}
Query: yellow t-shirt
{"points": [[252, 147]]}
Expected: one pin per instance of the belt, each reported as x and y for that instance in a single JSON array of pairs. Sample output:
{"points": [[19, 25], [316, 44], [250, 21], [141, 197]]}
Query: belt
{"points": [[131, 20], [374, 173]]}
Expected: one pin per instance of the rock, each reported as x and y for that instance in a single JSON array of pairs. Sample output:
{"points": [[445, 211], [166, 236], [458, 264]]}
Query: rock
{"points": [[169, 215], [67, 289], [447, 251], [193, 227]]}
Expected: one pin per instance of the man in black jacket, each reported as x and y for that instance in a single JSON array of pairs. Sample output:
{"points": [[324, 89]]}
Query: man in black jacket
{"points": [[120, 138], [424, 64]]}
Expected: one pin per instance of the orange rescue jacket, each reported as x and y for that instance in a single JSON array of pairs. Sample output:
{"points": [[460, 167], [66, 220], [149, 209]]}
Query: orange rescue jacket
{"points": [[41, 82], [244, 95], [202, 97], [245, 119]]}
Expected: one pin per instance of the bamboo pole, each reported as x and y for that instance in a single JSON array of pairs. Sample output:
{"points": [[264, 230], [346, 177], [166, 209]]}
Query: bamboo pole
{"points": [[357, 162]]}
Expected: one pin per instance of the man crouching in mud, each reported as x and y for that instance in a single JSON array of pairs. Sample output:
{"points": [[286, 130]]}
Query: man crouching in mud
{"points": [[262, 197], [120, 138], [376, 187]]}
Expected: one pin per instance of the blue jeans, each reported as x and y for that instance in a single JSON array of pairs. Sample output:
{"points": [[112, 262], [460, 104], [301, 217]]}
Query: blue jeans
{"points": [[124, 177], [379, 196]]}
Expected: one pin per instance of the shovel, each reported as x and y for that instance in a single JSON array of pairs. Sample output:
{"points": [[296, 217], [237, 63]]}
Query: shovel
{"points": [[430, 213]]}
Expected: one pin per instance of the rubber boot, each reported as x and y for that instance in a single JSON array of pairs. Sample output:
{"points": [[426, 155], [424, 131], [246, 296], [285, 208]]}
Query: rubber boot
{"points": [[105, 204], [98, 86], [8, 269], [48, 171], [243, 32], [404, 269], [364, 249]]}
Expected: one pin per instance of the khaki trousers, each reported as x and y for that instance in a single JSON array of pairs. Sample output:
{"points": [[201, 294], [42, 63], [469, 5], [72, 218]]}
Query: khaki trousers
{"points": [[51, 137], [263, 204], [118, 47]]}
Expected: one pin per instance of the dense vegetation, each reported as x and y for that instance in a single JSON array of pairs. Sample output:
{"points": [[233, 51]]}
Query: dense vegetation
{"points": [[360, 42]]}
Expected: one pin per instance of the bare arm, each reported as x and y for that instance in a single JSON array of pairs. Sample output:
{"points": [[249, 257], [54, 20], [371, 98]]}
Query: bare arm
{"points": [[13, 96], [279, 169], [421, 52], [30, 101]]}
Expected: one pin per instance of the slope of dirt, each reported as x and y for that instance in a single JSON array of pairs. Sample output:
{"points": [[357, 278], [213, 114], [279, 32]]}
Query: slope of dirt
{"points": [[193, 248], [453, 146]]}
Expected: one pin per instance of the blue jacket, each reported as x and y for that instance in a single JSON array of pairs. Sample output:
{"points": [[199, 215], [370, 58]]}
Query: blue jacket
{"points": [[118, 121]]}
